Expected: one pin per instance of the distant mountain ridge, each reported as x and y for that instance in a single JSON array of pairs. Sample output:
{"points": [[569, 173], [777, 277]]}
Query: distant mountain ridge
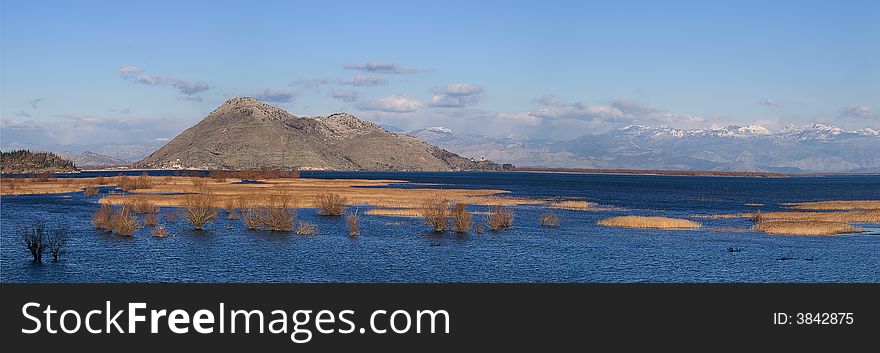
{"points": [[128, 153], [814, 148], [245, 133], [89, 159]]}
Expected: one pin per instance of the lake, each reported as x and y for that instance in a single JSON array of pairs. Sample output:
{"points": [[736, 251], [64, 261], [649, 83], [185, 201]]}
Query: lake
{"points": [[397, 249]]}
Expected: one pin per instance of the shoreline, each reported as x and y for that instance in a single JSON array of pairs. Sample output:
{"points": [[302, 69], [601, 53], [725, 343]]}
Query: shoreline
{"points": [[659, 172]]}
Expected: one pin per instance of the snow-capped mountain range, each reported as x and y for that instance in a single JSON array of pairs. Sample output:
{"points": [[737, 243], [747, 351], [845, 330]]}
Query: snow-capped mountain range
{"points": [[810, 148]]}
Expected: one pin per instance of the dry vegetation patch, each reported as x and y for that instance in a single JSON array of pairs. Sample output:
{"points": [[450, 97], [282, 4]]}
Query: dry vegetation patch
{"points": [[805, 227], [649, 222], [837, 205], [573, 205]]}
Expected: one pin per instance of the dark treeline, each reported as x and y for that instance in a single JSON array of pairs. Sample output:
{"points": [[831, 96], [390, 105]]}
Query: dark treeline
{"points": [[24, 161]]}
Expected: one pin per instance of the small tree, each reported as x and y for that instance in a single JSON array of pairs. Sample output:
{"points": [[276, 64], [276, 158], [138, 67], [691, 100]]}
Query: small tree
{"points": [[56, 240], [35, 240]]}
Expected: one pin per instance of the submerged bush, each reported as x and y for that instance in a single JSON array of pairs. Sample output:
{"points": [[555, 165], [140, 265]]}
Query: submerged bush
{"points": [[230, 207], [549, 219], [151, 219], [499, 218], [435, 211], [278, 216], [56, 240], [35, 240], [462, 218], [103, 217], [199, 208], [307, 229], [123, 222], [352, 221], [140, 204], [90, 191], [330, 204], [160, 231]]}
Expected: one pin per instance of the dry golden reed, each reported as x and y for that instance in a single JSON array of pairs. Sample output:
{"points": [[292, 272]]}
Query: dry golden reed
{"points": [[805, 227], [648, 222]]}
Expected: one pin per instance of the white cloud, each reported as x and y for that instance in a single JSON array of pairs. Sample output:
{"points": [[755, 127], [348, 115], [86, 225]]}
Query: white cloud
{"points": [[385, 67], [310, 83], [88, 129], [861, 112], [186, 87], [148, 80], [551, 101], [393, 104], [599, 118], [363, 81], [129, 71], [273, 95], [34, 103], [456, 95], [345, 96], [767, 102], [23, 114]]}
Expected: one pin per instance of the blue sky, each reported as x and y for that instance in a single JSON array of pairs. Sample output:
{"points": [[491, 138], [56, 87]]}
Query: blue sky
{"points": [[76, 72]]}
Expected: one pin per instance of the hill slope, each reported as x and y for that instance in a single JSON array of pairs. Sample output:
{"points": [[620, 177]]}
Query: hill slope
{"points": [[245, 133], [23, 161]]}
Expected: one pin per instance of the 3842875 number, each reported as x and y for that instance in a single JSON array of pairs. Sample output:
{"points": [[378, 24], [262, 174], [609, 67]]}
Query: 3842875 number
{"points": [[824, 319]]}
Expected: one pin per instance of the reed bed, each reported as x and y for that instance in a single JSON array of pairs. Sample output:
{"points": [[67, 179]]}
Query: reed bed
{"points": [[837, 205], [870, 216], [310, 192], [648, 222], [573, 205], [395, 212], [805, 228]]}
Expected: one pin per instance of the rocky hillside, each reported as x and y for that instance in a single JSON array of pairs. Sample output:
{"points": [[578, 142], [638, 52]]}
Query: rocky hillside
{"points": [[245, 133], [89, 159], [24, 161]]}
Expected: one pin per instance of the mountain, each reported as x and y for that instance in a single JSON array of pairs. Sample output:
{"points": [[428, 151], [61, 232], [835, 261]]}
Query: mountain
{"points": [[24, 161], [129, 153], [246, 133], [795, 149], [512, 151], [91, 160]]}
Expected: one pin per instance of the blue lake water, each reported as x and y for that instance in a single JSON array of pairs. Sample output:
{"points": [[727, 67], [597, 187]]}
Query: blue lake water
{"points": [[394, 249]]}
